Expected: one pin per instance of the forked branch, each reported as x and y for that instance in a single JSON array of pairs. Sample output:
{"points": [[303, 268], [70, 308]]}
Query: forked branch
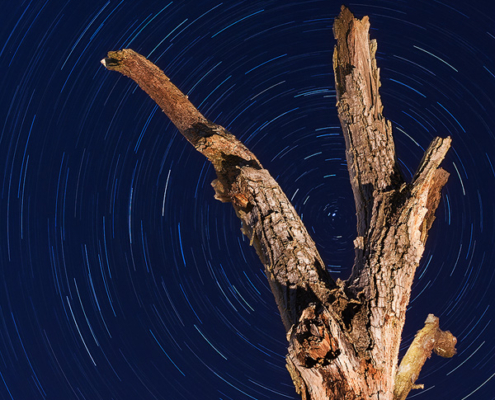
{"points": [[343, 336]]}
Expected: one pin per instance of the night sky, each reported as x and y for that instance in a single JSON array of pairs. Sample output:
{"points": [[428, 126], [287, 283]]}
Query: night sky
{"points": [[122, 277]]}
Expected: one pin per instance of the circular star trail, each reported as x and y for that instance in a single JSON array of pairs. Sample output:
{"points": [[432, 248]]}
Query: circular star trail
{"points": [[122, 277]]}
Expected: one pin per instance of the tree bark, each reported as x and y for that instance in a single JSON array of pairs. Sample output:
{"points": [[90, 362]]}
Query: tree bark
{"points": [[428, 339], [343, 337]]}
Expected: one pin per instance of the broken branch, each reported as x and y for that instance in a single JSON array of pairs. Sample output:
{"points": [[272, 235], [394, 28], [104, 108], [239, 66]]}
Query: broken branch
{"points": [[430, 338]]}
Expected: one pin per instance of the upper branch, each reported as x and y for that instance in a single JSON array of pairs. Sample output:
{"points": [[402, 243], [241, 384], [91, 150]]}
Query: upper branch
{"points": [[294, 268], [208, 138], [370, 151], [158, 86], [369, 143]]}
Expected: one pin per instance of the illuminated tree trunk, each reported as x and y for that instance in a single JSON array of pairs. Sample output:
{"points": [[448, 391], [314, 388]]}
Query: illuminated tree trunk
{"points": [[343, 337]]}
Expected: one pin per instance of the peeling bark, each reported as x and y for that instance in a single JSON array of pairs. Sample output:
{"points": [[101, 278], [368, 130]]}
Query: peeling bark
{"points": [[343, 337]]}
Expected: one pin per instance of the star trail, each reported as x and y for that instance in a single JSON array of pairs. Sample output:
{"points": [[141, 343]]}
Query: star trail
{"points": [[123, 278]]}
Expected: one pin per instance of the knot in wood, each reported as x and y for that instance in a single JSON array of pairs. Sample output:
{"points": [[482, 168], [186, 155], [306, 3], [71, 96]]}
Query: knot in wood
{"points": [[311, 339], [445, 344], [231, 192]]}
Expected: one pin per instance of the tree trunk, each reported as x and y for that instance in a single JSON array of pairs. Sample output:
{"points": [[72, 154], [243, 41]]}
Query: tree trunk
{"points": [[343, 337]]}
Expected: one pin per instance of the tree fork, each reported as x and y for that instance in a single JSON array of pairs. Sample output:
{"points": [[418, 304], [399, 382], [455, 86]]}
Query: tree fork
{"points": [[343, 337]]}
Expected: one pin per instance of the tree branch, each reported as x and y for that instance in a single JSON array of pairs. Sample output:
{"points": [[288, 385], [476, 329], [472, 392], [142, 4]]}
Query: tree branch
{"points": [[430, 338], [296, 273], [343, 336], [370, 149], [394, 217]]}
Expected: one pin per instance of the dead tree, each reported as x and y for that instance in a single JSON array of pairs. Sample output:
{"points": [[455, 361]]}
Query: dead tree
{"points": [[343, 336]]}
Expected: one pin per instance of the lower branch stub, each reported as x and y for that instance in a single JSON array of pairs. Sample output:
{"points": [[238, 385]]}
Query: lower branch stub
{"points": [[430, 338]]}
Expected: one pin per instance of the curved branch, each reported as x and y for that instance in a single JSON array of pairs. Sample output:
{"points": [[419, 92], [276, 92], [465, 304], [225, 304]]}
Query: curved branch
{"points": [[296, 273], [430, 338]]}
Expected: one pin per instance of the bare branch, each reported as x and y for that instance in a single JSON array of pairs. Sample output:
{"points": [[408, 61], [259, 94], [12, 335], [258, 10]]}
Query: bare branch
{"points": [[370, 149], [430, 338], [295, 271]]}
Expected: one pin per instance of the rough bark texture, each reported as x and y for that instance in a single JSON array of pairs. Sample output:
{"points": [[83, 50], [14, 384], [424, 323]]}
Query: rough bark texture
{"points": [[393, 216], [294, 268], [343, 336]]}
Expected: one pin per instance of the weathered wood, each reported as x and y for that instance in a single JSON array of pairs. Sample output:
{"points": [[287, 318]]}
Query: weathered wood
{"points": [[293, 265], [430, 338], [393, 216], [343, 336], [370, 149]]}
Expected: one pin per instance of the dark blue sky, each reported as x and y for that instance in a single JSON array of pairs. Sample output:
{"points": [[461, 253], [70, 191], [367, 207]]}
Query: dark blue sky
{"points": [[122, 278]]}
